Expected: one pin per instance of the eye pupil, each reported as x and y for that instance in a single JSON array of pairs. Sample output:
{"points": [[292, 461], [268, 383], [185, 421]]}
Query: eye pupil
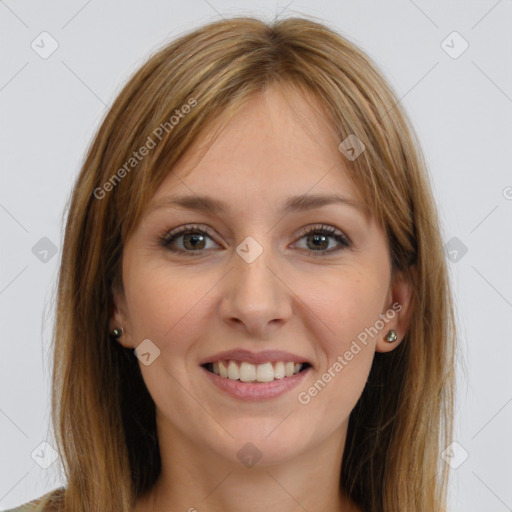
{"points": [[319, 239], [194, 239]]}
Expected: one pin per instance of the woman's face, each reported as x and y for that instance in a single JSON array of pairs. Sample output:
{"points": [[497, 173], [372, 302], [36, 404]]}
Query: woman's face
{"points": [[258, 282]]}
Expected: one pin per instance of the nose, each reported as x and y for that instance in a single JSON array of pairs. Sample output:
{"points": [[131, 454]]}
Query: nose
{"points": [[255, 297]]}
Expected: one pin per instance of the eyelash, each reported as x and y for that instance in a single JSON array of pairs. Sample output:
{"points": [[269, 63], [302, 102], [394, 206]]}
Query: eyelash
{"points": [[170, 236]]}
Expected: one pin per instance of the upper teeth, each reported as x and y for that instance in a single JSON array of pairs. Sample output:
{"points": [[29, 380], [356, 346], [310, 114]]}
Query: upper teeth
{"points": [[247, 372]]}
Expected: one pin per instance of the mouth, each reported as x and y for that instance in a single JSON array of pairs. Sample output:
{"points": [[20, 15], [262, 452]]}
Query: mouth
{"points": [[255, 373]]}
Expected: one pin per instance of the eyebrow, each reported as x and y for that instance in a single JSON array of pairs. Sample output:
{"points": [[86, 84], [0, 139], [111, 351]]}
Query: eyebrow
{"points": [[303, 202]]}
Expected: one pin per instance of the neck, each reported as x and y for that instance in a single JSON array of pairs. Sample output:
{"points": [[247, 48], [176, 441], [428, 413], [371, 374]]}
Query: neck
{"points": [[194, 478]]}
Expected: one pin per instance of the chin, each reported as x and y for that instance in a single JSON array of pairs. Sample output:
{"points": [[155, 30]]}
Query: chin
{"points": [[268, 441]]}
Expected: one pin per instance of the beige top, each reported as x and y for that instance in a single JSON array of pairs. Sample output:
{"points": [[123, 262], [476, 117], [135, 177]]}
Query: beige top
{"points": [[38, 504]]}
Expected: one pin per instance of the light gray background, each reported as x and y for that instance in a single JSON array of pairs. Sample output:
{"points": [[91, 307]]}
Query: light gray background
{"points": [[461, 108]]}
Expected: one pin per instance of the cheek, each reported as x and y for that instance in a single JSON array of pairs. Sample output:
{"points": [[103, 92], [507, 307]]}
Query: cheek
{"points": [[346, 309], [166, 307], [344, 326]]}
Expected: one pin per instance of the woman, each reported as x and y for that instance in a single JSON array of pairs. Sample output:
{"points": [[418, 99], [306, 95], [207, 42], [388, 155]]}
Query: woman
{"points": [[254, 309]]}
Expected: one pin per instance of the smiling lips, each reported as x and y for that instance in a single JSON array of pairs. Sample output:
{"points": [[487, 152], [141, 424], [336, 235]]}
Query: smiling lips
{"points": [[247, 366], [248, 372]]}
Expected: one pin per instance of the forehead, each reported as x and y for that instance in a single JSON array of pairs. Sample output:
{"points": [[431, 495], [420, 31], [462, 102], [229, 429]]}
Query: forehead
{"points": [[278, 144]]}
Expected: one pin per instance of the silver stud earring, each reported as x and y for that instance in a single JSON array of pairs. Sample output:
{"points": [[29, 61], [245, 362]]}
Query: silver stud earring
{"points": [[116, 333], [391, 337]]}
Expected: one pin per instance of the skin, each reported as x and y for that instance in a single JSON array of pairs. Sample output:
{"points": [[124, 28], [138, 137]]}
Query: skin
{"points": [[192, 307]]}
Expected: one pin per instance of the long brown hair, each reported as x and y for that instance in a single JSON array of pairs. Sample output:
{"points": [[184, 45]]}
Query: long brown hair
{"points": [[103, 415]]}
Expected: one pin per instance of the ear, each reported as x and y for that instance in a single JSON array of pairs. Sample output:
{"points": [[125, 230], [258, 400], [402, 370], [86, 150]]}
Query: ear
{"points": [[398, 309], [118, 317]]}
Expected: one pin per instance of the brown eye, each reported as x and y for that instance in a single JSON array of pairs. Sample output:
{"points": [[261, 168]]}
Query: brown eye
{"points": [[318, 240], [187, 239]]}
